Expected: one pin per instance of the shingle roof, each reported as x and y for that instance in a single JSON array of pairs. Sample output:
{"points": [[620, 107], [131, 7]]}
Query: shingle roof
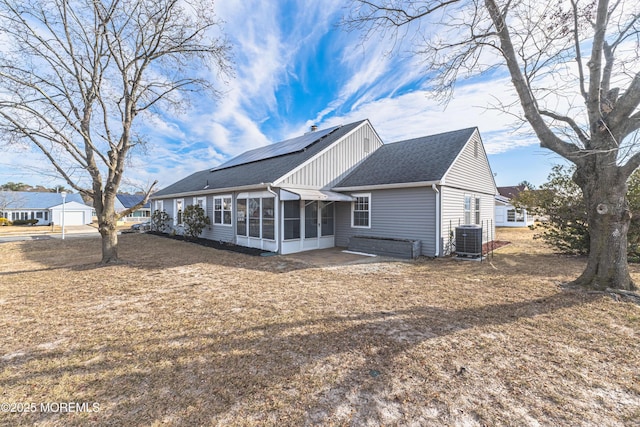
{"points": [[262, 171], [130, 200], [511, 192], [415, 160], [35, 200]]}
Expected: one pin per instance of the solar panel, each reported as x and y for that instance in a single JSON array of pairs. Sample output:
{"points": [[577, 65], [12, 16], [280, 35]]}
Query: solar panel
{"points": [[278, 149]]}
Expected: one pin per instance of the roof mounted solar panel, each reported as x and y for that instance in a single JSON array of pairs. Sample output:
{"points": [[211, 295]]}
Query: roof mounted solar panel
{"points": [[281, 148]]}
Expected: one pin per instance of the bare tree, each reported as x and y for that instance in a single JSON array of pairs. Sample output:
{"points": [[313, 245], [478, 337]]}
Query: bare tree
{"points": [[574, 66], [75, 75]]}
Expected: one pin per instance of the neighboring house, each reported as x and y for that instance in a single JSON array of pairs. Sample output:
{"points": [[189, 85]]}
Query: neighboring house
{"points": [[323, 188], [508, 215], [126, 201], [45, 207]]}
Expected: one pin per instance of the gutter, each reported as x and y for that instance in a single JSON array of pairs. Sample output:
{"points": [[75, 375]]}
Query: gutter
{"points": [[438, 231], [388, 186]]}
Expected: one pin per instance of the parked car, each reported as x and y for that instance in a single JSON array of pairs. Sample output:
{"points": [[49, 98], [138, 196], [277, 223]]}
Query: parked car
{"points": [[141, 226]]}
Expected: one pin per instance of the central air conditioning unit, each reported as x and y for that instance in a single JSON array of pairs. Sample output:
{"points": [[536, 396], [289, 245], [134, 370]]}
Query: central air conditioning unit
{"points": [[469, 240]]}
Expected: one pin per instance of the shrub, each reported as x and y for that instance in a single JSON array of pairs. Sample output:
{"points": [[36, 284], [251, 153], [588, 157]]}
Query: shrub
{"points": [[160, 221], [561, 201], [25, 222], [195, 220], [5, 221]]}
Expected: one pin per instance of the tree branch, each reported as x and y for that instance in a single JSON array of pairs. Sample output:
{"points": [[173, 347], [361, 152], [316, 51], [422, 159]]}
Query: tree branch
{"points": [[139, 204]]}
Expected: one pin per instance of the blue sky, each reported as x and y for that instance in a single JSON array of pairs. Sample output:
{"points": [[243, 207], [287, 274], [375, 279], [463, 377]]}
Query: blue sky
{"points": [[293, 68]]}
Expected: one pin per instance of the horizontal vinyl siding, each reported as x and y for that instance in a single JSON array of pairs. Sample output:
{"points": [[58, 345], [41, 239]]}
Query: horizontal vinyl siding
{"points": [[453, 214], [167, 206], [221, 233], [404, 213], [331, 166], [470, 172]]}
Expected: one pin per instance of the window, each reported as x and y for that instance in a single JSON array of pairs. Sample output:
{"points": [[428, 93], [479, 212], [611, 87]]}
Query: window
{"points": [[261, 216], [241, 217], [467, 209], [326, 209], [471, 209], [291, 219], [222, 211], [159, 205], [311, 220], [268, 223], [39, 215], [515, 215], [254, 217], [179, 204], [46, 215], [360, 211], [201, 202]]}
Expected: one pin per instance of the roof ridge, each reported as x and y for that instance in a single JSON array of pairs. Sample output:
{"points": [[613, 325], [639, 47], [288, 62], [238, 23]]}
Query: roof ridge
{"points": [[472, 128]]}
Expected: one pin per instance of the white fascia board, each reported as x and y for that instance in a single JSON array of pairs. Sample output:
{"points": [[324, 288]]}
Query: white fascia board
{"points": [[388, 186]]}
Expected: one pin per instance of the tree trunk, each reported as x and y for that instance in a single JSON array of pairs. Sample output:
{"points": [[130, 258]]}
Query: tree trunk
{"points": [[608, 218], [109, 243], [107, 226]]}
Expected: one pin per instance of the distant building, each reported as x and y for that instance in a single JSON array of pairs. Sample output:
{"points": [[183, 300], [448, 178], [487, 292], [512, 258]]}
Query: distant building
{"points": [[126, 201], [508, 215], [45, 207]]}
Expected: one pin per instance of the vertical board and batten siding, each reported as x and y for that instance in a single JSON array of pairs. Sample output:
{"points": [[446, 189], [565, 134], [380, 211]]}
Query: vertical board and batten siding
{"points": [[472, 172], [452, 214], [330, 167], [402, 213]]}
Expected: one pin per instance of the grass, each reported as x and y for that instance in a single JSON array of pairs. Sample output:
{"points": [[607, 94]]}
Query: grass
{"points": [[180, 334]]}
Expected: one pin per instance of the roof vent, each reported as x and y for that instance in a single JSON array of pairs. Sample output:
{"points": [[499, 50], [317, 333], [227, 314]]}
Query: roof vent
{"points": [[314, 128]]}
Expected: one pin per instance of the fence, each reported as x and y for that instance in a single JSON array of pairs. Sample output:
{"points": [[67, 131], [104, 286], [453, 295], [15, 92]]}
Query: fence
{"points": [[488, 238]]}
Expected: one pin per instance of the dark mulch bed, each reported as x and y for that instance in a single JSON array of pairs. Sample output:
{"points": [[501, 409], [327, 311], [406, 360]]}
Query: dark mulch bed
{"points": [[225, 246]]}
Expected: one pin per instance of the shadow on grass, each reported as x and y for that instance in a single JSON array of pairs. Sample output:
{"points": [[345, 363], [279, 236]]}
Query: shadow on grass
{"points": [[150, 252], [253, 375]]}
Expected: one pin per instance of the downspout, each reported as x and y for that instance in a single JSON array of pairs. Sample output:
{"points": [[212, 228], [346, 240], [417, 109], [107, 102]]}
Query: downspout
{"points": [[438, 231], [276, 222]]}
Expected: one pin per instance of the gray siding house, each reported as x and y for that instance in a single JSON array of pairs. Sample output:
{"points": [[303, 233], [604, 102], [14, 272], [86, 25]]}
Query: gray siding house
{"points": [[323, 188]]}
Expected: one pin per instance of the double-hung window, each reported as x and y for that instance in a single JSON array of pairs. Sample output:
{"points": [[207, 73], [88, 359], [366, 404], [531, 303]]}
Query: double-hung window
{"points": [[471, 210], [361, 211], [222, 210]]}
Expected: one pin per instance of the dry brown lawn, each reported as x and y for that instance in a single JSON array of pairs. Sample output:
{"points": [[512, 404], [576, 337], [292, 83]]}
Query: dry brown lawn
{"points": [[185, 335]]}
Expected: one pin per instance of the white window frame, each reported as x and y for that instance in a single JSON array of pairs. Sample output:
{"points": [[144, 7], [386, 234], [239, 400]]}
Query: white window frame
{"points": [[467, 209], [160, 205], [175, 211], [353, 210], [203, 205], [222, 210], [477, 210]]}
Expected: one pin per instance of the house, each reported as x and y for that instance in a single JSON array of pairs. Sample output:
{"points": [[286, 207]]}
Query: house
{"points": [[508, 215], [126, 201], [45, 207], [327, 187]]}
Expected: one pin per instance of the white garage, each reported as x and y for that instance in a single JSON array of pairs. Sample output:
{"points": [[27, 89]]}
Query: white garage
{"points": [[74, 214]]}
